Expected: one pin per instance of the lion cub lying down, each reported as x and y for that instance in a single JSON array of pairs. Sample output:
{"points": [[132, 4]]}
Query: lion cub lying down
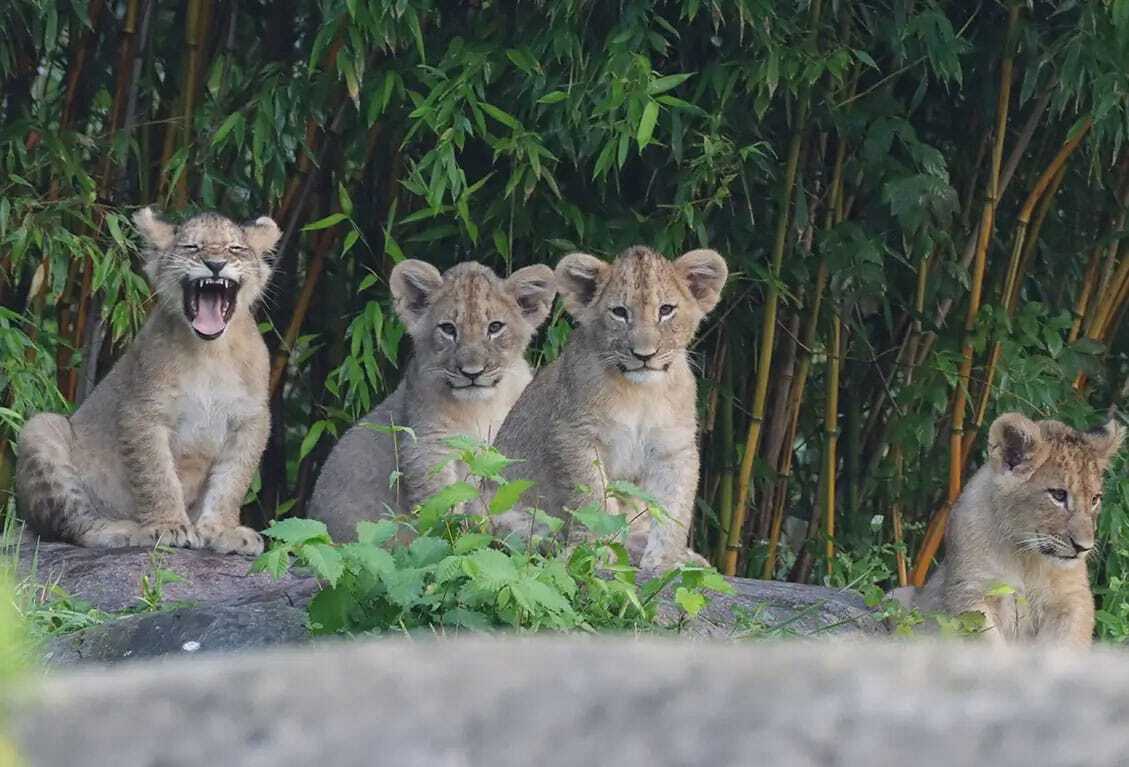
{"points": [[166, 445], [469, 331], [1025, 522], [620, 401]]}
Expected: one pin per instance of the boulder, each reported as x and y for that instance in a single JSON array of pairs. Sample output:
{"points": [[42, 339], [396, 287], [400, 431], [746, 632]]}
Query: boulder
{"points": [[569, 701], [219, 606]]}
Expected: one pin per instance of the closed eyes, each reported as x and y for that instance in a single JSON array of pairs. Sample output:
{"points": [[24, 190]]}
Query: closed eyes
{"points": [[1058, 494]]}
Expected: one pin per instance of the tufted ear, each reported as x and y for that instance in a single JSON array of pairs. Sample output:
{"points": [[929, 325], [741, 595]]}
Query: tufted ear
{"points": [[1015, 444], [533, 288], [158, 233], [1106, 440], [705, 272], [262, 235], [579, 277], [413, 282]]}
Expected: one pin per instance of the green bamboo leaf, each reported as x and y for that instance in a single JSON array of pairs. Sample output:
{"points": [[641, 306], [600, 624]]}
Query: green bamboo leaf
{"points": [[647, 124], [325, 223], [664, 84]]}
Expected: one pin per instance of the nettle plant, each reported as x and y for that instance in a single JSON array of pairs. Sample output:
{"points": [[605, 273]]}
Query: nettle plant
{"points": [[444, 568]]}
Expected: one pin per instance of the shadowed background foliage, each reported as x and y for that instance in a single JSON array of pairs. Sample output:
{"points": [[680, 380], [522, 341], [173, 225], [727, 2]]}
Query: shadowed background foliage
{"points": [[922, 204]]}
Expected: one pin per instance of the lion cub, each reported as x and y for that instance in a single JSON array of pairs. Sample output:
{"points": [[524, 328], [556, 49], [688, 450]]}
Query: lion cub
{"points": [[620, 401], [469, 331], [166, 445], [1025, 522]]}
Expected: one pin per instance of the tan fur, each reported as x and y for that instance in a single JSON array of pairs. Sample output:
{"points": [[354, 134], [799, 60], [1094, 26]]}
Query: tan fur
{"points": [[1008, 529], [166, 445], [436, 398], [602, 412]]}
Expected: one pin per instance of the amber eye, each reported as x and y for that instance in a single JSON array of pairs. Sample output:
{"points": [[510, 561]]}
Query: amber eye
{"points": [[1058, 494], [666, 310], [448, 329], [619, 312], [495, 328]]}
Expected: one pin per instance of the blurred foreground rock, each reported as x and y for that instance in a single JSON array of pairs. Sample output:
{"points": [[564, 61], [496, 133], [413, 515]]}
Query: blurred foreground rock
{"points": [[219, 607], [575, 701]]}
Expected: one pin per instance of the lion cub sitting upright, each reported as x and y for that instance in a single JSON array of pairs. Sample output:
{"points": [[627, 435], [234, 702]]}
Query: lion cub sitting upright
{"points": [[1026, 521], [166, 445], [620, 401], [469, 330]]}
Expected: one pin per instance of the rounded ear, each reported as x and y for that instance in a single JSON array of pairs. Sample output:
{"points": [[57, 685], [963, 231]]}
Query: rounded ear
{"points": [[1106, 440], [578, 277], [262, 235], [158, 233], [412, 284], [533, 288], [705, 272], [1015, 444]]}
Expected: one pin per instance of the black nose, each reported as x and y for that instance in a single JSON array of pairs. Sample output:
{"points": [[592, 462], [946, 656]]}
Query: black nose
{"points": [[643, 357], [215, 266], [471, 373]]}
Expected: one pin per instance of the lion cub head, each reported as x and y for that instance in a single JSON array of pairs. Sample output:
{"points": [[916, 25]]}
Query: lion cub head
{"points": [[1048, 483], [206, 267], [641, 311], [470, 327]]}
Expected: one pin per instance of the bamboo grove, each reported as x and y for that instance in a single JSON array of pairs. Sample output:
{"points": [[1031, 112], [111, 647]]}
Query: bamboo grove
{"points": [[923, 204]]}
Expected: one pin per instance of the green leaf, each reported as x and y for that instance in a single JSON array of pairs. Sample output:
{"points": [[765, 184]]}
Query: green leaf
{"points": [[690, 601], [329, 610], [226, 127], [311, 438], [404, 586], [664, 84], [490, 568], [647, 124], [426, 550], [297, 531], [469, 542], [368, 557], [324, 560], [553, 97], [506, 496], [375, 533], [275, 562], [599, 521], [442, 502], [501, 116], [325, 223]]}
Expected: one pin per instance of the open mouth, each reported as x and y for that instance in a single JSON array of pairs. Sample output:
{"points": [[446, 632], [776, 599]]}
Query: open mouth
{"points": [[209, 303]]}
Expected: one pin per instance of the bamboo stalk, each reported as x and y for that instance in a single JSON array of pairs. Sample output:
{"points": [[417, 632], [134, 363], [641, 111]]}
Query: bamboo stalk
{"points": [[768, 326], [936, 528], [729, 453], [831, 419], [1042, 192], [835, 214]]}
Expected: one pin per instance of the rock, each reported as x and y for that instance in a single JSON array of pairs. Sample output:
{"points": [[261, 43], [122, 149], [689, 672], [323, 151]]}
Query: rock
{"points": [[773, 608], [219, 606], [568, 701], [110, 579], [208, 629]]}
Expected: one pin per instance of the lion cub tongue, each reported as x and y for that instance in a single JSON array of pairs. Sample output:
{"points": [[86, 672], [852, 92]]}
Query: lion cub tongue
{"points": [[209, 313]]}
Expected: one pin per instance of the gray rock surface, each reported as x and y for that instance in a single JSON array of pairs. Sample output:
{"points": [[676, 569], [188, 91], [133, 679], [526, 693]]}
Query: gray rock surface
{"points": [[551, 701], [110, 579], [220, 607]]}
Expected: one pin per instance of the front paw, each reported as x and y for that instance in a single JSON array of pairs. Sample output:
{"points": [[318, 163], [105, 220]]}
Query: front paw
{"points": [[181, 536], [231, 540]]}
